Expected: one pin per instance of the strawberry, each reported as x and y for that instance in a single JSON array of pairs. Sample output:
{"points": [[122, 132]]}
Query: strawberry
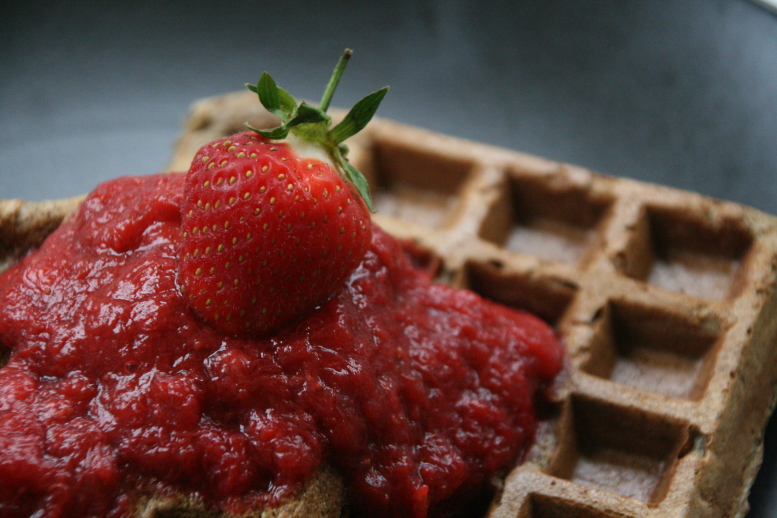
{"points": [[272, 228]]}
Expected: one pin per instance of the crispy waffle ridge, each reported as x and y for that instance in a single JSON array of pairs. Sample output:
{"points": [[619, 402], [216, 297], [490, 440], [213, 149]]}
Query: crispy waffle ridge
{"points": [[666, 301]]}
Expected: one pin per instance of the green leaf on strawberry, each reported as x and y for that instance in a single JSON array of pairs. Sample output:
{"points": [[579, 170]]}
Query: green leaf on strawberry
{"points": [[275, 100], [356, 119]]}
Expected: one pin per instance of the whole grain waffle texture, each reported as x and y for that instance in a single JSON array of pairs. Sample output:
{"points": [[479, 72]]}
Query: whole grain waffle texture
{"points": [[665, 300]]}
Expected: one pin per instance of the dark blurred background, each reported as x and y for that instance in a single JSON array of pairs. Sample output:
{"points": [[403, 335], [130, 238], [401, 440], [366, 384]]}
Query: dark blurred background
{"points": [[682, 93]]}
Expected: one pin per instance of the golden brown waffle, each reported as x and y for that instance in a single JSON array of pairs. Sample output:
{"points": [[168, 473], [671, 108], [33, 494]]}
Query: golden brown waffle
{"points": [[666, 301]]}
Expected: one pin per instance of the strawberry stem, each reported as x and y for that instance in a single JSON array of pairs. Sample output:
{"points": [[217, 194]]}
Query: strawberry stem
{"points": [[311, 123], [334, 80]]}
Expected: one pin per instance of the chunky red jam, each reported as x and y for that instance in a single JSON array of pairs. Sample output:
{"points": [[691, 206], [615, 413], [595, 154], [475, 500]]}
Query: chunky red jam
{"points": [[417, 393]]}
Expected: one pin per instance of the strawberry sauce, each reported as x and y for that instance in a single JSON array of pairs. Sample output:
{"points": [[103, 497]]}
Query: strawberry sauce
{"points": [[417, 393]]}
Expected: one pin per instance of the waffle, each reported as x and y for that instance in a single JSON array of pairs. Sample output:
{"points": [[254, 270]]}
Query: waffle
{"points": [[664, 300]]}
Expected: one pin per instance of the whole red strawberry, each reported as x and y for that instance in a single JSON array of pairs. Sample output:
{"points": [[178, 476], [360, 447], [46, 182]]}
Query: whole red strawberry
{"points": [[272, 228]]}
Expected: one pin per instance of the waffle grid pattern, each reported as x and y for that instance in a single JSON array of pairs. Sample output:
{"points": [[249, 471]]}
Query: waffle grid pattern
{"points": [[663, 298]]}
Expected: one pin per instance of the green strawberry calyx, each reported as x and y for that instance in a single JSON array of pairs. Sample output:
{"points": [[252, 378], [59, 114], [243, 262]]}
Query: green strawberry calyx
{"points": [[312, 124]]}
